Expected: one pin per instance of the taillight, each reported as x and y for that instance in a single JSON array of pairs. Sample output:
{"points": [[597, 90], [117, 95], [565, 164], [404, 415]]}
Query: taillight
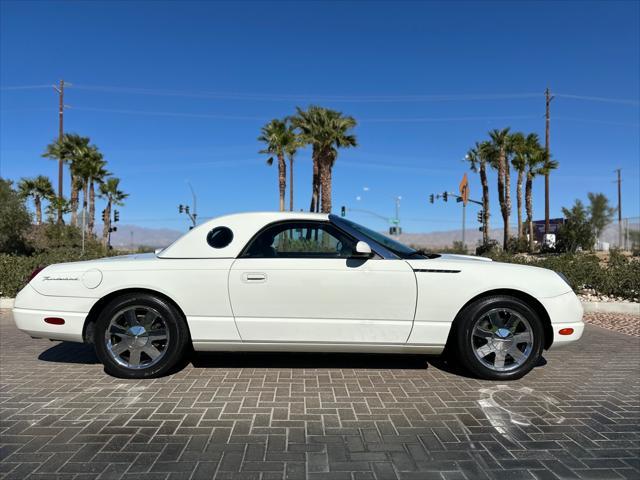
{"points": [[565, 331], [35, 272]]}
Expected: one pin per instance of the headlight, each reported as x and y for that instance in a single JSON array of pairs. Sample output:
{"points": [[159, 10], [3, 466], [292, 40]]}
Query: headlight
{"points": [[563, 277]]}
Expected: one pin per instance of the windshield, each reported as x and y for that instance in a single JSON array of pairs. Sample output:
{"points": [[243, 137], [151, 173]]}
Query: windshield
{"points": [[396, 247]]}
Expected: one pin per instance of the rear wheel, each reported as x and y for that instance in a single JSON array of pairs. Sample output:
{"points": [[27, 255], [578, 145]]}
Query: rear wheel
{"points": [[140, 336], [499, 338]]}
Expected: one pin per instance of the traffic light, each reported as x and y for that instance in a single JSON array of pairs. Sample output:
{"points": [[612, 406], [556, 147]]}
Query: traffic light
{"points": [[186, 209], [480, 216], [180, 208], [431, 198], [343, 211], [104, 216], [116, 216], [445, 196]]}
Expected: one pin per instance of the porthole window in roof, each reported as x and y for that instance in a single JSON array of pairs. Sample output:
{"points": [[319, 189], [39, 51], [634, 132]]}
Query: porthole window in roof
{"points": [[219, 237]]}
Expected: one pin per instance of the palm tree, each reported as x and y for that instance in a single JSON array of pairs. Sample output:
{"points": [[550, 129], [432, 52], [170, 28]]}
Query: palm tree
{"points": [[110, 190], [57, 204], [69, 149], [326, 131], [536, 158], [477, 158], [547, 172], [519, 162], [307, 122], [291, 149], [39, 188], [90, 168], [280, 140], [500, 145]]}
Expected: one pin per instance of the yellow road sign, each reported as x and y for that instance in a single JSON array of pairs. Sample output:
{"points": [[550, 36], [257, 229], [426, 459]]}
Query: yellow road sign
{"points": [[464, 189]]}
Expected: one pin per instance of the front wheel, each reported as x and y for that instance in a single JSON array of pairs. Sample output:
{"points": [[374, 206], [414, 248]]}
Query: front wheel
{"points": [[499, 338], [140, 336]]}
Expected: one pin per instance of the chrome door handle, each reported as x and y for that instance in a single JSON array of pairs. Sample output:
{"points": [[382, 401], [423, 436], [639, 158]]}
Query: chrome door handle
{"points": [[254, 277]]}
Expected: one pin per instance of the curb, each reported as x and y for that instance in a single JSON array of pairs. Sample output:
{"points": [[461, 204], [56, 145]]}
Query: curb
{"points": [[628, 308], [589, 307], [6, 302]]}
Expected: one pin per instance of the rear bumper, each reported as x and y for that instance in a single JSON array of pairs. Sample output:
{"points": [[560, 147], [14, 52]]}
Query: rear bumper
{"points": [[31, 308], [32, 323], [565, 312]]}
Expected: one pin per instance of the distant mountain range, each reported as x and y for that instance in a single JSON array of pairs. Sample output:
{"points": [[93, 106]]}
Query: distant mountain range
{"points": [[133, 236]]}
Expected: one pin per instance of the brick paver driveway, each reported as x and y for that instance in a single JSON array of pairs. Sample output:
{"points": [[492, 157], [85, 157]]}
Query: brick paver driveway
{"points": [[357, 417]]}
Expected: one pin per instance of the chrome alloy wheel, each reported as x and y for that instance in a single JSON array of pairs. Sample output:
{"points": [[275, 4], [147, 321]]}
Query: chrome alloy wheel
{"points": [[502, 339], [137, 337]]}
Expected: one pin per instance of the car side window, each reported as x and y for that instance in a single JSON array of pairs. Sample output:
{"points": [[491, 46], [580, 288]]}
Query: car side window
{"points": [[301, 240]]}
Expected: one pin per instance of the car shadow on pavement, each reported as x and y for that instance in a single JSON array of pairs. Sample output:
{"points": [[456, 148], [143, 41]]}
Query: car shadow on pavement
{"points": [[70, 352], [78, 353], [308, 360]]}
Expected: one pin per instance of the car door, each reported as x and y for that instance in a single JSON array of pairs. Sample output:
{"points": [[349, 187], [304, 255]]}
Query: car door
{"points": [[298, 282]]}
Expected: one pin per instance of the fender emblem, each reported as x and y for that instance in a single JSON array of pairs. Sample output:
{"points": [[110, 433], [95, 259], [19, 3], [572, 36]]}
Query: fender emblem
{"points": [[45, 278]]}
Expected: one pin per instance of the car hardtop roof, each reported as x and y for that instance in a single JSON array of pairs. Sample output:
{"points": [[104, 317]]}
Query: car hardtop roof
{"points": [[243, 226]]}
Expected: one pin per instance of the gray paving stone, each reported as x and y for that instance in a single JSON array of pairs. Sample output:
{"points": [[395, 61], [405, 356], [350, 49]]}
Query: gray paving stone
{"points": [[318, 417]]}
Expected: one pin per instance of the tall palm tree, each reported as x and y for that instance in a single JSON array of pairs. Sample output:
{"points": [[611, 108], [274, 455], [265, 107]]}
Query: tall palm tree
{"points": [[69, 149], [291, 149], [547, 166], [327, 131], [501, 145], [39, 188], [90, 168], [519, 162], [307, 122], [110, 189], [536, 158], [478, 157], [279, 138]]}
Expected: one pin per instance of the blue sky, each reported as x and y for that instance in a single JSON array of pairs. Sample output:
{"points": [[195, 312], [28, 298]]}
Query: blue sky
{"points": [[188, 85]]}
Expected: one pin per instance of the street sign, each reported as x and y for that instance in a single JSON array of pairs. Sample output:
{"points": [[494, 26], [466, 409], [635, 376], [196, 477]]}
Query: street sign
{"points": [[464, 189]]}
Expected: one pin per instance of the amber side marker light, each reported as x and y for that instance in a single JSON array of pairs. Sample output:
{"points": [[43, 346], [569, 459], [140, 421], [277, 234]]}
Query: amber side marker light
{"points": [[54, 320], [566, 331]]}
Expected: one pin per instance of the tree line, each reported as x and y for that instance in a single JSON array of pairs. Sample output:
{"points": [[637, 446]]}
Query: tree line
{"points": [[325, 131], [87, 170], [524, 153]]}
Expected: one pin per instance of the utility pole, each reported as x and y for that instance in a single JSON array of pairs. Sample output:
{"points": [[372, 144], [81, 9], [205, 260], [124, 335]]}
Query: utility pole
{"points": [[60, 90], [398, 215], [619, 171], [548, 98]]}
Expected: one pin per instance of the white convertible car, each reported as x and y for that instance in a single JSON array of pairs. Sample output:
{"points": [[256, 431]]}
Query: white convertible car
{"points": [[300, 282]]}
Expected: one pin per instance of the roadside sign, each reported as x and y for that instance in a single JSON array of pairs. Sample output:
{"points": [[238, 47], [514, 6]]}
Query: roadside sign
{"points": [[464, 189]]}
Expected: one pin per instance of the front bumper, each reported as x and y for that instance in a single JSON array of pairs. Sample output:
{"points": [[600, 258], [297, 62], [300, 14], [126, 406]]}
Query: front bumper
{"points": [[565, 312]]}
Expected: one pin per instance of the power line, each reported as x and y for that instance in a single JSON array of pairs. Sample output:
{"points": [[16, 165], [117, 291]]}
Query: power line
{"points": [[168, 114], [307, 97], [276, 97], [24, 87], [622, 101]]}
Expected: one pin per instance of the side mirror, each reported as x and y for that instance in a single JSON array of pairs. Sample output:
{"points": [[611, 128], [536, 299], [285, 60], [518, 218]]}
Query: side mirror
{"points": [[363, 250]]}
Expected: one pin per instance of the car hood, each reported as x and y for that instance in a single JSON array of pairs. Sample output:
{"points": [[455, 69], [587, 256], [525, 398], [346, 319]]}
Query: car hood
{"points": [[481, 274]]}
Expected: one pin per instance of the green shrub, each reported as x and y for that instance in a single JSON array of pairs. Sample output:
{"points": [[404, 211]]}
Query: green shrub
{"points": [[617, 277], [15, 269]]}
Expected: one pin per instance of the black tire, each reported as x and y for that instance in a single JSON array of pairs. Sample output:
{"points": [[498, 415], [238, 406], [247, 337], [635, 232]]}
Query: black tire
{"points": [[463, 340], [173, 349]]}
